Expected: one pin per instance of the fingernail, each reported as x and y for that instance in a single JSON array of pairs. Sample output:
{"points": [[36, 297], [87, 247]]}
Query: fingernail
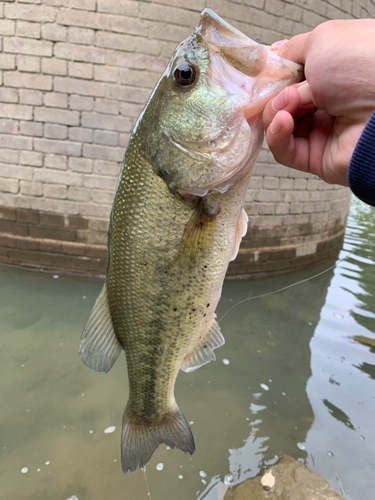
{"points": [[275, 126], [281, 101], [277, 45]]}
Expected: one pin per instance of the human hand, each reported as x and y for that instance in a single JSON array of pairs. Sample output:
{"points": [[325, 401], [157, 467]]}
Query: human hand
{"points": [[314, 126]]}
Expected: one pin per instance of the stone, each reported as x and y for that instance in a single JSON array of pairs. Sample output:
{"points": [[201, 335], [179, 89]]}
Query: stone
{"points": [[293, 481]]}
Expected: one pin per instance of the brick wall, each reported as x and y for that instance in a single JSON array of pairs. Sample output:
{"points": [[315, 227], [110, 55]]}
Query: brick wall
{"points": [[74, 76]]}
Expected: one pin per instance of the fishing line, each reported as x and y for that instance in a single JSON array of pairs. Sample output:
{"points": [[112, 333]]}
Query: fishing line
{"points": [[297, 283], [143, 469]]}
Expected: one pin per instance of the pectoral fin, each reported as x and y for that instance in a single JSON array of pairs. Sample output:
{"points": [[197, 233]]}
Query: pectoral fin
{"points": [[204, 351], [99, 347], [199, 233], [240, 231]]}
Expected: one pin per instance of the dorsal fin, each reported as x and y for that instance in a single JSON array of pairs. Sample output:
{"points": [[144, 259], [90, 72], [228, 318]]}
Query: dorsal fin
{"points": [[99, 347]]}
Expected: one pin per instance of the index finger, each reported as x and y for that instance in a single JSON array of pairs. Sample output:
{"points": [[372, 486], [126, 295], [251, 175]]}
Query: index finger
{"points": [[295, 48]]}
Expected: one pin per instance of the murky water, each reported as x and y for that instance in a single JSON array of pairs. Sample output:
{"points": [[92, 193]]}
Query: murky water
{"points": [[295, 377]]}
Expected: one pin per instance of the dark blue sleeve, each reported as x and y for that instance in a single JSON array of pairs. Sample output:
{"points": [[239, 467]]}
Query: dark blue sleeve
{"points": [[361, 174]]}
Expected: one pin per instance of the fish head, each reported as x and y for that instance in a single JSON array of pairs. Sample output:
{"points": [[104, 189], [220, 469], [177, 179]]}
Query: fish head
{"points": [[206, 130]]}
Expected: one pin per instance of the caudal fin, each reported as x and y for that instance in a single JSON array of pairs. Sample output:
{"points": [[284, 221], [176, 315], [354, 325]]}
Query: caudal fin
{"points": [[140, 439]]}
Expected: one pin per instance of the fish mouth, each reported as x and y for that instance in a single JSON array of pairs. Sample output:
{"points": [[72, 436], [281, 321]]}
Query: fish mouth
{"points": [[243, 67]]}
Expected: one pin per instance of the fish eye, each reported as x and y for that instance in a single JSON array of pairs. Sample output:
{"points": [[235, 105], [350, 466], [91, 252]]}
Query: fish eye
{"points": [[185, 74]]}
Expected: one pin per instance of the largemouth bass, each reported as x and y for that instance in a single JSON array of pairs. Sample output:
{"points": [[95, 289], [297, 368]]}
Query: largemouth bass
{"points": [[177, 221]]}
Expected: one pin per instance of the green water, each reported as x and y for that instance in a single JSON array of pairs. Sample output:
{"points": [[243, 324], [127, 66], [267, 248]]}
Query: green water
{"points": [[297, 382]]}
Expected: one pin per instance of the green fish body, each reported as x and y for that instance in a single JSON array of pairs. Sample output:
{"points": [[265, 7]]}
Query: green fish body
{"points": [[176, 223]]}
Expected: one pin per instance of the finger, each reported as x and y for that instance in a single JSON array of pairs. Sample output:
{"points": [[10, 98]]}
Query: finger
{"points": [[295, 48], [287, 150], [288, 100]]}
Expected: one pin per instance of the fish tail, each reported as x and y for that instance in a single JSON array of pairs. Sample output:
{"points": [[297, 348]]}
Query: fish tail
{"points": [[140, 439]]}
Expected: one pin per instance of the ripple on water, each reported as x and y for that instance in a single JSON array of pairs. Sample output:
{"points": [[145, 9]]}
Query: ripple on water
{"points": [[24, 470]]}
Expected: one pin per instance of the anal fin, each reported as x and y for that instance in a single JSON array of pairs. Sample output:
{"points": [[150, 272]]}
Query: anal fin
{"points": [[204, 351], [99, 347]]}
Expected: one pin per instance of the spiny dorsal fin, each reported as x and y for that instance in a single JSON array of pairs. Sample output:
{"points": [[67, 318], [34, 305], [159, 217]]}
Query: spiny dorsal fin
{"points": [[204, 352], [99, 347]]}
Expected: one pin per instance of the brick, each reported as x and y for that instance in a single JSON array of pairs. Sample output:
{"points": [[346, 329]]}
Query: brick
{"points": [[82, 36], [58, 177], [15, 142], [107, 106], [50, 205], [57, 3], [106, 168], [106, 137], [107, 122], [55, 99], [38, 13], [28, 216], [141, 78], [130, 109], [102, 152], [152, 47], [80, 134], [7, 27], [54, 66], [172, 15], [124, 93], [103, 197], [31, 188], [8, 126], [293, 12], [9, 185], [57, 162], [7, 61], [83, 165], [79, 194], [32, 97], [28, 63], [80, 53], [16, 111], [83, 4], [7, 241], [115, 40], [122, 7], [55, 191], [14, 228], [106, 74], [54, 32], [31, 128], [80, 70], [57, 147], [56, 115], [99, 182], [54, 131], [104, 22], [163, 31], [16, 172], [31, 158], [123, 140], [28, 81], [27, 46], [81, 103], [77, 222], [74, 248], [7, 214], [27, 244], [72, 85], [29, 30], [90, 210]]}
